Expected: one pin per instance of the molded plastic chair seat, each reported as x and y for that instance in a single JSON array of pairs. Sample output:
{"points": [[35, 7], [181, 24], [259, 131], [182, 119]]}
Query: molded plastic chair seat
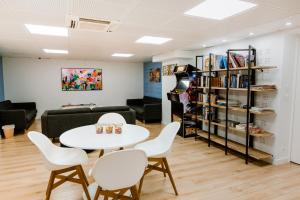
{"points": [[64, 163], [117, 172], [57, 157], [157, 150], [111, 118], [64, 157], [153, 148], [161, 145]]}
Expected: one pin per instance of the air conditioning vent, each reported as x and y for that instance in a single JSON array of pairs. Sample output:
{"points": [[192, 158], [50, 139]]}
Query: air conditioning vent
{"points": [[91, 24]]}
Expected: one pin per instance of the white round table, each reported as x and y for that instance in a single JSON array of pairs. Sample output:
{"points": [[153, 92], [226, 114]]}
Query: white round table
{"points": [[85, 137]]}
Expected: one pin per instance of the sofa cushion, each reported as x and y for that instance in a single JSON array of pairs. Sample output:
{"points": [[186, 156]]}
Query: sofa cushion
{"points": [[69, 111], [110, 109], [30, 114], [138, 109], [6, 105]]}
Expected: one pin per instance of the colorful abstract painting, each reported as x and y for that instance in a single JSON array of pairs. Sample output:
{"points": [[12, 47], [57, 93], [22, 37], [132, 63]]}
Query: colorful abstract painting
{"points": [[81, 79]]}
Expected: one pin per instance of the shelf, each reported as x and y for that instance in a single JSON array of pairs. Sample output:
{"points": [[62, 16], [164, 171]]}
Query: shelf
{"points": [[254, 153], [238, 89], [237, 109], [242, 68], [232, 129]]}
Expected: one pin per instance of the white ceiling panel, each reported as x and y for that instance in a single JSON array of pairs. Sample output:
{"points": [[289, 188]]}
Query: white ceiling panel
{"points": [[36, 6], [137, 18], [100, 9]]}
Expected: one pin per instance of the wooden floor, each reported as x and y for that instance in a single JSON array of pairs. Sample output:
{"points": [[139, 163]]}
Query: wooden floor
{"points": [[200, 172]]}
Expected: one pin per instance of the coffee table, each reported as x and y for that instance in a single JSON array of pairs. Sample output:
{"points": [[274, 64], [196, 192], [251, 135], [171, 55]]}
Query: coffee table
{"points": [[85, 137]]}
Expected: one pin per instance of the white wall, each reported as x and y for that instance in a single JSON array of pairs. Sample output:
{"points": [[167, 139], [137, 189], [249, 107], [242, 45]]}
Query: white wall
{"points": [[274, 49], [295, 137], [27, 79]]}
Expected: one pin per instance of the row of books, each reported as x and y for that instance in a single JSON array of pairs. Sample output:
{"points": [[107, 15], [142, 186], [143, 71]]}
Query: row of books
{"points": [[205, 114], [239, 61], [235, 81], [220, 61], [203, 81], [202, 97], [231, 103]]}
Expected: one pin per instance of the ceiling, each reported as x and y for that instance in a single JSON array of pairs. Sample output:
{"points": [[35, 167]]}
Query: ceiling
{"points": [[137, 18]]}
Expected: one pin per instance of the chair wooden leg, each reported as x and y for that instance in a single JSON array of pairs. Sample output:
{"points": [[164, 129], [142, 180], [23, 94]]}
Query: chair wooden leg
{"points": [[101, 153], [84, 176], [50, 185], [164, 169], [105, 197], [170, 174], [141, 185], [97, 193], [83, 181], [134, 193]]}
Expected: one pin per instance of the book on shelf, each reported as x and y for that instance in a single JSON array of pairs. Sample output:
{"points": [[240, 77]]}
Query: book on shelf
{"points": [[206, 114], [244, 81], [232, 61], [201, 97], [232, 103], [239, 61], [203, 81], [220, 62], [263, 86], [238, 79]]}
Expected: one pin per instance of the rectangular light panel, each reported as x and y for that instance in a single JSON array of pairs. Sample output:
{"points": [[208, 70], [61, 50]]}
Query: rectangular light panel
{"points": [[219, 9], [153, 40], [47, 30], [57, 51]]}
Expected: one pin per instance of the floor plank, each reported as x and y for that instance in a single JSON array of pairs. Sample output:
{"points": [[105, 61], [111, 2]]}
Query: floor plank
{"points": [[200, 172]]}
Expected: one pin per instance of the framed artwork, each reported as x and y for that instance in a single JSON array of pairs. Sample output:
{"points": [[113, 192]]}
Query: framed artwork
{"points": [[154, 75], [168, 70], [199, 62], [81, 79]]}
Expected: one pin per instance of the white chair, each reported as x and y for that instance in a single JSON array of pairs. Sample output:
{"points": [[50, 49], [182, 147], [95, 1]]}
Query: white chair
{"points": [[157, 151], [116, 173], [61, 161], [111, 118]]}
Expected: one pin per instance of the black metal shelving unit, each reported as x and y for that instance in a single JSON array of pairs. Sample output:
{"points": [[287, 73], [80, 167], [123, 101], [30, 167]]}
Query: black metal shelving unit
{"points": [[250, 117]]}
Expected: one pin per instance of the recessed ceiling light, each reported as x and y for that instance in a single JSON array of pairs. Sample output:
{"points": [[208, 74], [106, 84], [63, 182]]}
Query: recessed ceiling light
{"points": [[224, 40], [219, 9], [125, 55], [289, 24], [251, 34], [203, 45], [47, 30], [58, 51], [153, 40]]}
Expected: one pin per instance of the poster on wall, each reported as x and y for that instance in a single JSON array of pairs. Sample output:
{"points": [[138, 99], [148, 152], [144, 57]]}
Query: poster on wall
{"points": [[154, 75], [199, 62], [168, 70], [81, 79]]}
